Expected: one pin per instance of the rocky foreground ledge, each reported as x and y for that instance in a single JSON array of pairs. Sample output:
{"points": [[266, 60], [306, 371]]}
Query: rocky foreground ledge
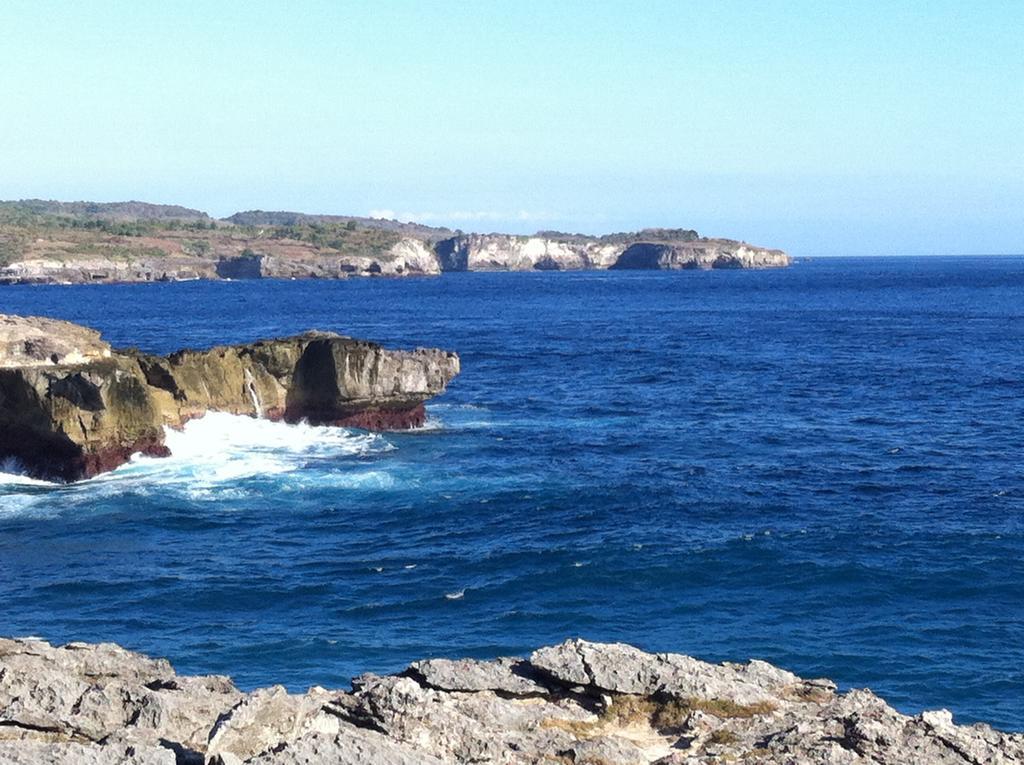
{"points": [[72, 407], [578, 702]]}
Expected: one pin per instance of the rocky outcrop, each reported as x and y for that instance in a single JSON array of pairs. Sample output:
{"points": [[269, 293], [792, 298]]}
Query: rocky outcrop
{"points": [[30, 341], [408, 257], [500, 252], [71, 407], [698, 255], [578, 702], [99, 270]]}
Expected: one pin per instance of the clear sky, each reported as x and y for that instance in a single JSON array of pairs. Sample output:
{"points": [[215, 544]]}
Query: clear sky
{"points": [[819, 127]]}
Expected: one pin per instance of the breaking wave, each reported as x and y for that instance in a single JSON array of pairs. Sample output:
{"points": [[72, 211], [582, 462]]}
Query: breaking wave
{"points": [[218, 454]]}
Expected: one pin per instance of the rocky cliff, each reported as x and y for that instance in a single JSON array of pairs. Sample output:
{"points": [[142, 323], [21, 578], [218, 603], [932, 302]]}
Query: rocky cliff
{"points": [[500, 252], [71, 407], [407, 257], [703, 255], [54, 242], [578, 702]]}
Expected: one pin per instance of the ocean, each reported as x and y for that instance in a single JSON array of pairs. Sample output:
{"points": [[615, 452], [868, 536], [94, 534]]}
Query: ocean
{"points": [[820, 466]]}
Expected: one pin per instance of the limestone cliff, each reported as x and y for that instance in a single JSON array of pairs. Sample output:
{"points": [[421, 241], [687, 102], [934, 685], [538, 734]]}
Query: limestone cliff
{"points": [[500, 252], [407, 257], [71, 407], [578, 702], [703, 255]]}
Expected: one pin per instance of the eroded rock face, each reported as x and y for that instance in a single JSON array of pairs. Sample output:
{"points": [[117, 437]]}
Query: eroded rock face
{"points": [[578, 702], [34, 341], [100, 703], [502, 252], [407, 257], [99, 270], [698, 255], [71, 408]]}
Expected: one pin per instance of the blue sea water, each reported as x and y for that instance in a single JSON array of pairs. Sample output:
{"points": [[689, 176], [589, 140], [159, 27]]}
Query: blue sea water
{"points": [[821, 466]]}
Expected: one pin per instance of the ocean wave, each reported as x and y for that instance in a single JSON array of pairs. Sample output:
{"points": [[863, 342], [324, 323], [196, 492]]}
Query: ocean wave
{"points": [[214, 457], [456, 417], [220, 450], [12, 474]]}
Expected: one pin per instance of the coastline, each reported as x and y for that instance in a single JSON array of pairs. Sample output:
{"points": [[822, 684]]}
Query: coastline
{"points": [[46, 242]]}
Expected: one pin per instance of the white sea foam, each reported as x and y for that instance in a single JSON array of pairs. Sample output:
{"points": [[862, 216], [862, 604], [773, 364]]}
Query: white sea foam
{"points": [[232, 446], [15, 478], [19, 494], [218, 434], [455, 416], [210, 458]]}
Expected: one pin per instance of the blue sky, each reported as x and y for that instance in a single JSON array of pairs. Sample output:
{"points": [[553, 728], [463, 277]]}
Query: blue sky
{"points": [[822, 128]]}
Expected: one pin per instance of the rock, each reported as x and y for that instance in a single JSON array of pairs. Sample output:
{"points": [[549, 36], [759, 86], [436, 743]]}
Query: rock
{"points": [[622, 669], [505, 675], [407, 257], [104, 695], [71, 408], [501, 252], [39, 342], [714, 253], [246, 266], [36, 753], [578, 702], [98, 270], [72, 421], [351, 746], [267, 718]]}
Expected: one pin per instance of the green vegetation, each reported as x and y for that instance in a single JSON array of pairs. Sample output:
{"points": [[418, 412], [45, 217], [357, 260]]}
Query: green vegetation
{"points": [[11, 248], [39, 223], [346, 238], [38, 228], [625, 237], [109, 251], [200, 248]]}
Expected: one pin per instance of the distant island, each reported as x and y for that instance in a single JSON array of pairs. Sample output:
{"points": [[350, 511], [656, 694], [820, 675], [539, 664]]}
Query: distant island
{"points": [[48, 242]]}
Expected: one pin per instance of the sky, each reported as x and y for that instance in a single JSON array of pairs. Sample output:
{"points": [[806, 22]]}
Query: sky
{"points": [[821, 128]]}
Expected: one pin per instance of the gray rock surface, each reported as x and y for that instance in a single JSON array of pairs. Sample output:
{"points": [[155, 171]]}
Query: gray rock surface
{"points": [[35, 341], [578, 702]]}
